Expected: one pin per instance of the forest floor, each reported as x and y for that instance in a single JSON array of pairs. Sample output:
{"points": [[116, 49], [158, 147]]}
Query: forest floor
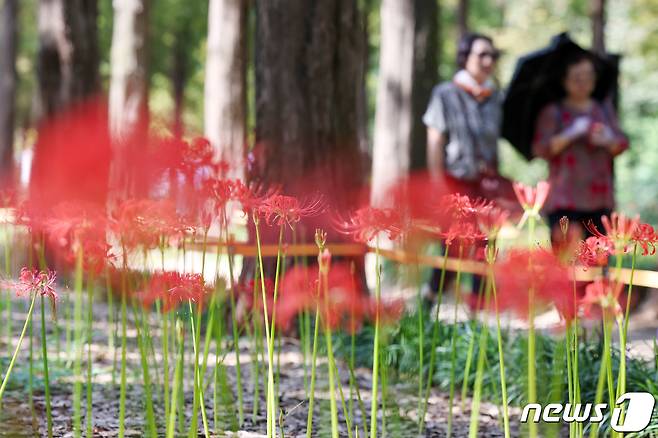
{"points": [[19, 419]]}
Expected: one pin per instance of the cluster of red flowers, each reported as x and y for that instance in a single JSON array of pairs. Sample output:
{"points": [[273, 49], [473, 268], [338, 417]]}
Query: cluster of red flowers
{"points": [[173, 288], [337, 295]]}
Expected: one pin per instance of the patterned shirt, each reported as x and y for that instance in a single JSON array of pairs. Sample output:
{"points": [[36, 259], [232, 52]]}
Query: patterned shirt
{"points": [[471, 128], [581, 176]]}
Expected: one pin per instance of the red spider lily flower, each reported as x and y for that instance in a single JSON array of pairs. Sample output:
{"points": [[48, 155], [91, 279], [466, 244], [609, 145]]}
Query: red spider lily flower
{"points": [[33, 281], [390, 311], [145, 222], [645, 237], [342, 304], [603, 294], [491, 219], [595, 251], [368, 222], [251, 196], [173, 289], [282, 210], [532, 199], [618, 228], [465, 233], [195, 154], [540, 270], [77, 227]]}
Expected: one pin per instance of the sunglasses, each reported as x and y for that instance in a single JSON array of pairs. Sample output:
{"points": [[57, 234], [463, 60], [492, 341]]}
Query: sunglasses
{"points": [[493, 55]]}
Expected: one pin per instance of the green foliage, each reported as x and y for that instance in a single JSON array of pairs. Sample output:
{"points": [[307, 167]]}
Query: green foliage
{"points": [[402, 358]]}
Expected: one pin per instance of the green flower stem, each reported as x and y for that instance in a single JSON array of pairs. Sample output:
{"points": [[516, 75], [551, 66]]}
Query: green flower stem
{"points": [[623, 330], [271, 416], [255, 364], [18, 347], [421, 338], [122, 393], [277, 276], [46, 375], [435, 342], [453, 342], [90, 297], [165, 358], [198, 387], [532, 366], [234, 323], [141, 344], [501, 358], [348, 418], [178, 381], [8, 319], [332, 384], [311, 395], [479, 373], [110, 323], [375, 354], [77, 369], [471, 350]]}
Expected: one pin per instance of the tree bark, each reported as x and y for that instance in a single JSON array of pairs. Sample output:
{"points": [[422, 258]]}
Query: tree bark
{"points": [[128, 59], [67, 62], [393, 116], [309, 81], [598, 11], [128, 96], [8, 42], [462, 18], [425, 75], [408, 71], [225, 82]]}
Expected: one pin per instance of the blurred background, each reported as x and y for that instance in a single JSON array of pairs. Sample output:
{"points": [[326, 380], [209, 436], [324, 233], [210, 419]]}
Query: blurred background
{"points": [[162, 60]]}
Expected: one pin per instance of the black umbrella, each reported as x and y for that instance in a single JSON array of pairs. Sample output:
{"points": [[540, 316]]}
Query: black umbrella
{"points": [[536, 82]]}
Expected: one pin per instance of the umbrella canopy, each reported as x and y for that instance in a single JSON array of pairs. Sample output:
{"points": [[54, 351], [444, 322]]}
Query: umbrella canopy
{"points": [[536, 82]]}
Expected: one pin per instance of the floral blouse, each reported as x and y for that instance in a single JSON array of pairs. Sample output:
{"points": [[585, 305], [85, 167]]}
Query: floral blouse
{"points": [[581, 176]]}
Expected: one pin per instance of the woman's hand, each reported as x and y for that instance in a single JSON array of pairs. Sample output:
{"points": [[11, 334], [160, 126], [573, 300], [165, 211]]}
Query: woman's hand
{"points": [[602, 135]]}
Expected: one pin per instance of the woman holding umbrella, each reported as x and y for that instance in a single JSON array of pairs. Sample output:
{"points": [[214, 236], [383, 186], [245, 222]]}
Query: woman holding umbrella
{"points": [[579, 136]]}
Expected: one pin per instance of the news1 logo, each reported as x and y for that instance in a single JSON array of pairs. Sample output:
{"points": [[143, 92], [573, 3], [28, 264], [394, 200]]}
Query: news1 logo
{"points": [[637, 413]]}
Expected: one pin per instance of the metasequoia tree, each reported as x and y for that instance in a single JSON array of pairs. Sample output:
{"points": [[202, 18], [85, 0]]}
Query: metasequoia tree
{"points": [[225, 85], [408, 64], [8, 37]]}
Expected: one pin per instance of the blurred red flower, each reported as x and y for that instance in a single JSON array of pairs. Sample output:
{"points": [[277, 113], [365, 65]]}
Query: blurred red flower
{"points": [[540, 270], [341, 303], [174, 288], [367, 222], [144, 222], [282, 210], [532, 198], [604, 295]]}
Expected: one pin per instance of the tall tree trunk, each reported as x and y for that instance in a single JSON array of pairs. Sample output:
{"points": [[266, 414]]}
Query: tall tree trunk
{"points": [[393, 116], [408, 71], [462, 18], [225, 83], [67, 62], [425, 75], [128, 105], [598, 11], [309, 81], [8, 38]]}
